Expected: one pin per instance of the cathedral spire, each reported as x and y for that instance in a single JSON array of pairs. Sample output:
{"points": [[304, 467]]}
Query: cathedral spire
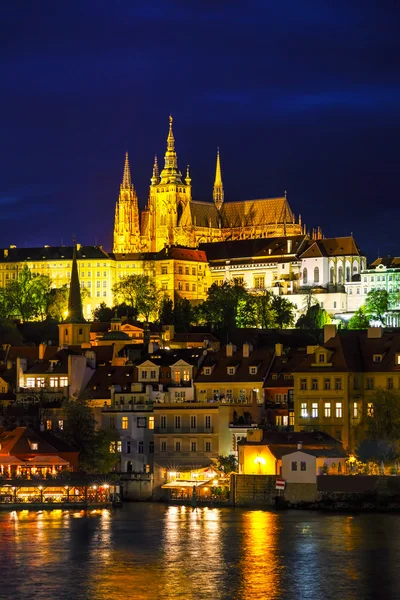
{"points": [[218, 193], [126, 179], [188, 179], [171, 173], [156, 176], [75, 311]]}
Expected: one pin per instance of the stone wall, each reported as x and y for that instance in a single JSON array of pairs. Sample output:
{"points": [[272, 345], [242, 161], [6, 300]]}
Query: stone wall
{"points": [[253, 490], [296, 493], [137, 487]]}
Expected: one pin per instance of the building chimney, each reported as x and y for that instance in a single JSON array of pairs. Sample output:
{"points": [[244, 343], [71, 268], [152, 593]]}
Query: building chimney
{"points": [[42, 350], [247, 349], [278, 349], [375, 332], [230, 349], [299, 445], [329, 332], [289, 246]]}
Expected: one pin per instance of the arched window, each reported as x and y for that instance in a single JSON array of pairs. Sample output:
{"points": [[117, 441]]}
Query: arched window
{"points": [[355, 268], [304, 276], [316, 275], [347, 273], [332, 275], [179, 212], [340, 275]]}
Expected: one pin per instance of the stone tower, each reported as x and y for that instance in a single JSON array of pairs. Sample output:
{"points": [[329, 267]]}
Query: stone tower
{"points": [[126, 223], [169, 195]]}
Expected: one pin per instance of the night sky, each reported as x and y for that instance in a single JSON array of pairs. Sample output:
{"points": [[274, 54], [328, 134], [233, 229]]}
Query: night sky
{"points": [[299, 95]]}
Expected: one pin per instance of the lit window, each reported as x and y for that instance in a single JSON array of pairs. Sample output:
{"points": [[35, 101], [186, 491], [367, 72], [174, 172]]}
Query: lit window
{"points": [[327, 411], [125, 422], [303, 410], [63, 381], [53, 382], [34, 445], [338, 410], [30, 382], [60, 424], [49, 424], [355, 410], [314, 410], [151, 422]]}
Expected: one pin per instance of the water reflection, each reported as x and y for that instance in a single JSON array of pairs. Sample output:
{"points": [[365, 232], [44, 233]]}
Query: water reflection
{"points": [[150, 552]]}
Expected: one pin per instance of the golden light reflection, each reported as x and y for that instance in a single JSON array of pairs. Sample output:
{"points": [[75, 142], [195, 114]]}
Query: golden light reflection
{"points": [[260, 564]]}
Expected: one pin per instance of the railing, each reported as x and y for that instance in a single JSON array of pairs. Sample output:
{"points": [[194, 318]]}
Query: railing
{"points": [[185, 384], [181, 430], [128, 407]]}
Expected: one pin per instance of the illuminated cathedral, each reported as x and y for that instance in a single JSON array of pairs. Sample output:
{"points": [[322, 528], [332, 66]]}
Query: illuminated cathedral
{"points": [[173, 218]]}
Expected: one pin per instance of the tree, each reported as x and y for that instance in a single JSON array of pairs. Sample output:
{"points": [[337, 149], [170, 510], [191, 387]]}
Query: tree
{"points": [[103, 313], [97, 447], [140, 292], [220, 310], [284, 311], [315, 318], [359, 320], [226, 464], [182, 315], [377, 305], [27, 296], [166, 314]]}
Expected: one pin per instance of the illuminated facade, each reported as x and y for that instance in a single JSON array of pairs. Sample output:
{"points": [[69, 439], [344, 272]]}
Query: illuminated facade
{"points": [[172, 217]]}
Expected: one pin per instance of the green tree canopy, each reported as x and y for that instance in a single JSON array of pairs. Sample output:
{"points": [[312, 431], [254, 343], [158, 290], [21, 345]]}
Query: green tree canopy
{"points": [[103, 313], [283, 311], [226, 464], [315, 318], [220, 309], [377, 305], [182, 315], [27, 296], [166, 314], [97, 447], [140, 292], [359, 320]]}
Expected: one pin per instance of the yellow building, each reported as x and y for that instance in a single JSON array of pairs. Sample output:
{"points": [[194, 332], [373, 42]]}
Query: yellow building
{"points": [[172, 217], [335, 384]]}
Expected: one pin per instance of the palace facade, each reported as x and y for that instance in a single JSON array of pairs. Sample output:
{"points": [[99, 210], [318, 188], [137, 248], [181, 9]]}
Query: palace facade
{"points": [[173, 218]]}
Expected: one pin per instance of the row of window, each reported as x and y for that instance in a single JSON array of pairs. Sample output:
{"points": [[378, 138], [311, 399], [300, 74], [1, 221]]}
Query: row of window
{"points": [[304, 411], [164, 270], [141, 422], [178, 375], [327, 383], [40, 382], [194, 446], [178, 422], [117, 447]]}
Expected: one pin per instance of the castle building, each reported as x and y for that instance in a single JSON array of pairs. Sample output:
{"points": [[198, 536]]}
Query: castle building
{"points": [[173, 218]]}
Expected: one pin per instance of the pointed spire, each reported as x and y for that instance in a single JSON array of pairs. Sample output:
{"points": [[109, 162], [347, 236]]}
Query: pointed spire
{"points": [[126, 179], [171, 173], [218, 193], [75, 311], [188, 179], [156, 176]]}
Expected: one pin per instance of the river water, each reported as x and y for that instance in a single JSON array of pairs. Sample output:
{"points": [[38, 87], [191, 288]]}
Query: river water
{"points": [[153, 551]]}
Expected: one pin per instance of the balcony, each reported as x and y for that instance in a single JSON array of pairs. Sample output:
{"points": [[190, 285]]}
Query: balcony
{"points": [[180, 384], [184, 430], [148, 406]]}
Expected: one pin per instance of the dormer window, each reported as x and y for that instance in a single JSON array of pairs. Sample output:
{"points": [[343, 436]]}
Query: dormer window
{"points": [[274, 375], [321, 358], [208, 370], [34, 445], [377, 358], [231, 370], [253, 370]]}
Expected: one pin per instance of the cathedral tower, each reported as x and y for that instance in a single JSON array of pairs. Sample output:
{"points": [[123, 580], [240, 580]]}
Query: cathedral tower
{"points": [[218, 192], [169, 196], [126, 224]]}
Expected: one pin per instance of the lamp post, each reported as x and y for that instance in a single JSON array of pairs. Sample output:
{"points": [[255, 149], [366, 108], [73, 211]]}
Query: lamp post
{"points": [[41, 493]]}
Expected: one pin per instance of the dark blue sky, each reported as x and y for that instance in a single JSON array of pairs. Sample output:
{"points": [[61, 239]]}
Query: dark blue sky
{"points": [[299, 95]]}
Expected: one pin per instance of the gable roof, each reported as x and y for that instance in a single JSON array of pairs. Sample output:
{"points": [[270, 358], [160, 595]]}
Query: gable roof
{"points": [[265, 249], [340, 246]]}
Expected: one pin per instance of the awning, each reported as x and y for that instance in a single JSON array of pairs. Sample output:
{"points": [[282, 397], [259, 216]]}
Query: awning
{"points": [[10, 460], [46, 460], [184, 484]]}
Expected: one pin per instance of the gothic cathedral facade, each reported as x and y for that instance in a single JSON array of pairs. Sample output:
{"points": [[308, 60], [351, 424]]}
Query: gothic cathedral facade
{"points": [[173, 218]]}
